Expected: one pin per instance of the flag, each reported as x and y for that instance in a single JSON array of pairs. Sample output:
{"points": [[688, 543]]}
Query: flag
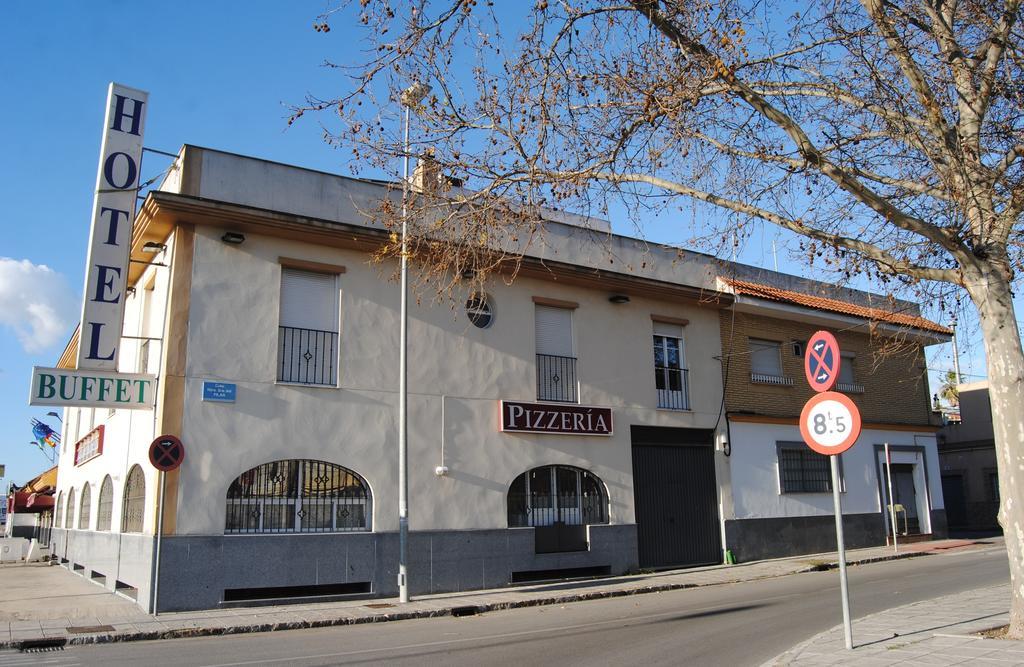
{"points": [[44, 435]]}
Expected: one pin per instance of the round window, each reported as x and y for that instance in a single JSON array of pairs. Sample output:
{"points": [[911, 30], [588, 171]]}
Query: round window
{"points": [[478, 310]]}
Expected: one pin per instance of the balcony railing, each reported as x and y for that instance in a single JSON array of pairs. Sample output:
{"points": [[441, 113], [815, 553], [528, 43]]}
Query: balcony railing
{"points": [[677, 394], [850, 387], [763, 378], [556, 378], [307, 356]]}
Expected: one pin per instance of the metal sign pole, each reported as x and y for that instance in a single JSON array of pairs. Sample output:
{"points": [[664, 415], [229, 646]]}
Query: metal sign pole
{"points": [[892, 502], [847, 628], [159, 535]]}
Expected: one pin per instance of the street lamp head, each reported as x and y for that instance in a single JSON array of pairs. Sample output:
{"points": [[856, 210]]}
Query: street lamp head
{"points": [[414, 94]]}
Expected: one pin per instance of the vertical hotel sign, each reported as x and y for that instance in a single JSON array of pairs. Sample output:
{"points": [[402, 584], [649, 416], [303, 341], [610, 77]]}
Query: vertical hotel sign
{"points": [[95, 382], [113, 211]]}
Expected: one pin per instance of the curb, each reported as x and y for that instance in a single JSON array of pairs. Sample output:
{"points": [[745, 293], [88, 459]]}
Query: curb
{"points": [[454, 610]]}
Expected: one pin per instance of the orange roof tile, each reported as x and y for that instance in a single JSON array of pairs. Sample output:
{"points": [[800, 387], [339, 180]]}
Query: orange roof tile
{"points": [[743, 287]]}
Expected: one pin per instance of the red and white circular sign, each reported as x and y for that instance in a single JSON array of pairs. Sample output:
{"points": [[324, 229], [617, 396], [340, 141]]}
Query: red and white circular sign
{"points": [[821, 361], [166, 453], [830, 423]]}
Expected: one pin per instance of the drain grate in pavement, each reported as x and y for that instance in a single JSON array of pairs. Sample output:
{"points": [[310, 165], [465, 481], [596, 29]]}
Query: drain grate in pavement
{"points": [[380, 605], [42, 645], [88, 629], [465, 611]]}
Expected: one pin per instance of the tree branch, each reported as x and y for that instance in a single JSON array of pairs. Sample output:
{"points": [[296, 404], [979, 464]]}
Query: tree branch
{"points": [[886, 261], [804, 145]]}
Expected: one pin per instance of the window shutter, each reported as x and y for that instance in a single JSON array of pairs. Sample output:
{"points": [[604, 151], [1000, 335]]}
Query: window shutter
{"points": [[846, 369], [669, 330], [764, 358], [554, 331], [309, 300]]}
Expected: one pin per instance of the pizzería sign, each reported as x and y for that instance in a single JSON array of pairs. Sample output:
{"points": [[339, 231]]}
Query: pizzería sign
{"points": [[555, 418]]}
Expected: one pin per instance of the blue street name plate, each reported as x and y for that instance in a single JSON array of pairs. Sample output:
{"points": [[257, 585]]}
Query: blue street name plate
{"points": [[219, 392]]}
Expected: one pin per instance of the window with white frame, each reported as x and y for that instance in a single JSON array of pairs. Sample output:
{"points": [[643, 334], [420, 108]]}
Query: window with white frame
{"points": [[149, 327], [670, 373], [766, 362], [298, 496], [556, 361], [308, 333]]}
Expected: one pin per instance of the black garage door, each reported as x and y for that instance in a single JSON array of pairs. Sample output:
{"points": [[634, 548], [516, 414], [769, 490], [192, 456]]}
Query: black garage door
{"points": [[676, 497]]}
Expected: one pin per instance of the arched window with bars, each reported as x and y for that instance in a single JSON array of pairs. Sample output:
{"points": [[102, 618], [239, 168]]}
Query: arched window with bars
{"points": [[556, 494], [134, 501], [58, 511], [69, 517], [298, 496], [85, 508], [105, 509]]}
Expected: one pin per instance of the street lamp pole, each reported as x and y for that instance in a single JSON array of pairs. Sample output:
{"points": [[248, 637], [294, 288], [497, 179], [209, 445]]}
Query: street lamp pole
{"points": [[410, 97]]}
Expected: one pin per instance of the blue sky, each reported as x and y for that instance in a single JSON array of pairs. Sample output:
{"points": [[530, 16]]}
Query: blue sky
{"points": [[220, 75]]}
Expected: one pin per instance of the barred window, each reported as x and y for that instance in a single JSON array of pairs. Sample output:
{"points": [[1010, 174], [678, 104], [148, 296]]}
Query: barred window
{"points": [[298, 496], [85, 510], [58, 512], [134, 501], [803, 470], [557, 494], [69, 517], [106, 505]]}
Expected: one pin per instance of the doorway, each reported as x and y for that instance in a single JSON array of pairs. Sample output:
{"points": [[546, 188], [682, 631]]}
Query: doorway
{"points": [[908, 522], [676, 497]]}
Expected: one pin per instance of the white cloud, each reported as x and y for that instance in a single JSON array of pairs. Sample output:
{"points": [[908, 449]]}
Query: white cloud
{"points": [[36, 302]]}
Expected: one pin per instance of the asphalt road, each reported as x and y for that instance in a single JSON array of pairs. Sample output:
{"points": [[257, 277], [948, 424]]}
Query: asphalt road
{"points": [[737, 624]]}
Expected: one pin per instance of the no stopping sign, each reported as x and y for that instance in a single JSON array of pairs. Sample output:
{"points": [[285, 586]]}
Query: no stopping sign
{"points": [[166, 453]]}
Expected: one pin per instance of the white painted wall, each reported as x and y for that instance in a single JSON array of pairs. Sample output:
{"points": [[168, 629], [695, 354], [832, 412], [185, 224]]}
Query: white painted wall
{"points": [[128, 433], [233, 336], [755, 474]]}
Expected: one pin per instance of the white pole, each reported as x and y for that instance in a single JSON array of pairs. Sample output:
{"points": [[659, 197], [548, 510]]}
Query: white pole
{"points": [[892, 513], [411, 96], [159, 541], [403, 445], [847, 628]]}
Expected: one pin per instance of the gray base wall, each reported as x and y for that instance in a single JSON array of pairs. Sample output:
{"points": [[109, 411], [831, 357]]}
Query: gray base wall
{"points": [[757, 539], [940, 526], [195, 570], [124, 557]]}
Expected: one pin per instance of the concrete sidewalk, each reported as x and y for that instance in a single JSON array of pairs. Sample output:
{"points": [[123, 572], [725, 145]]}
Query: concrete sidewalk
{"points": [[91, 615], [934, 632]]}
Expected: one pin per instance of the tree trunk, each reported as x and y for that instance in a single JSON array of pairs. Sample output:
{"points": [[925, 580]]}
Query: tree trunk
{"points": [[991, 294]]}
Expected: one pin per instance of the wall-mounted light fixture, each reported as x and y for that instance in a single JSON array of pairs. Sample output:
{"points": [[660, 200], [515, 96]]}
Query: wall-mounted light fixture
{"points": [[234, 238], [618, 298], [153, 246]]}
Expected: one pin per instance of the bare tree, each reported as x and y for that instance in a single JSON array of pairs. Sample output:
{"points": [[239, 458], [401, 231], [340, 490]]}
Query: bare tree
{"points": [[887, 134]]}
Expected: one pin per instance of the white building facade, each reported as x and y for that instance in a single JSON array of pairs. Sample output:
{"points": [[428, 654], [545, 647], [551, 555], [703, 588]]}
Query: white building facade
{"points": [[566, 424], [275, 341]]}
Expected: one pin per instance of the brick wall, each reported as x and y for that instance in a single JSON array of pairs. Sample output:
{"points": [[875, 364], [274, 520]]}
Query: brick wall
{"points": [[895, 385]]}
